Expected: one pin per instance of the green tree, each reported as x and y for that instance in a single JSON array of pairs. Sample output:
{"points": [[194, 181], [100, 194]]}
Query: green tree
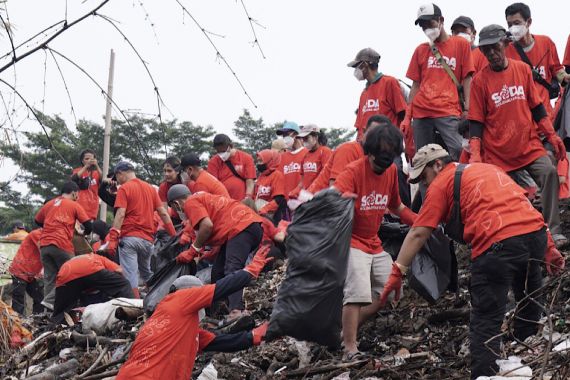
{"points": [[15, 207], [337, 136], [253, 134]]}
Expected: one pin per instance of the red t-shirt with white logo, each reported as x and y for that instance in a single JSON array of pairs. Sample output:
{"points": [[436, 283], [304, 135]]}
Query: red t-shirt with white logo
{"points": [[267, 187], [313, 163], [291, 165], [89, 198], [58, 217], [166, 345], [27, 263], [502, 102], [382, 97], [243, 164], [375, 194], [438, 96], [84, 265], [544, 57], [493, 206], [209, 184]]}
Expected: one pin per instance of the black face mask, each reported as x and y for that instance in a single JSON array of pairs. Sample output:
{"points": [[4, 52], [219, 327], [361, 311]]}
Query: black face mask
{"points": [[383, 161], [261, 168]]}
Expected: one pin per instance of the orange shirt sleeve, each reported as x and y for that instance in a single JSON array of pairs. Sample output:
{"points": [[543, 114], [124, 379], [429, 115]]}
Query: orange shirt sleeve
{"points": [[121, 200], [248, 167], [563, 168], [163, 192], [214, 167], [41, 215], [414, 68], [467, 66], [277, 184], [345, 182], [434, 209], [194, 299], [326, 156], [555, 65], [395, 200], [80, 213], [477, 105], [195, 211], [156, 200]]}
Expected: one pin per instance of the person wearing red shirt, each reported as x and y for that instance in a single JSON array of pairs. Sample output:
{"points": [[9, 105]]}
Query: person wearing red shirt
{"points": [[373, 181], [87, 272], [134, 224], [233, 168], [540, 50], [170, 171], [434, 98], [218, 221], [269, 187], [88, 178], [508, 242], [292, 160], [199, 179], [464, 26], [566, 59], [317, 156], [382, 94], [563, 167], [167, 344], [25, 268], [57, 219], [506, 117]]}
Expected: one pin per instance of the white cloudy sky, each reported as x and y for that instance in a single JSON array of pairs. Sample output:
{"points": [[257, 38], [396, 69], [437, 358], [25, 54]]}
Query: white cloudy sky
{"points": [[304, 77]]}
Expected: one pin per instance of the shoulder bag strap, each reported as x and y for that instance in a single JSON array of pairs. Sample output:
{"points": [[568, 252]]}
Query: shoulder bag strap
{"points": [[233, 169], [535, 74], [439, 57], [457, 185]]}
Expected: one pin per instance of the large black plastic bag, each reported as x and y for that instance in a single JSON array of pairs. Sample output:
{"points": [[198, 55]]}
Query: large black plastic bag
{"points": [[165, 249], [434, 268], [161, 281], [309, 301]]}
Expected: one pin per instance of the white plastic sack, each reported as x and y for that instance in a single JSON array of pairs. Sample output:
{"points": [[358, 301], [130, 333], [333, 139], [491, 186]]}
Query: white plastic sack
{"points": [[100, 317], [523, 373], [209, 373]]}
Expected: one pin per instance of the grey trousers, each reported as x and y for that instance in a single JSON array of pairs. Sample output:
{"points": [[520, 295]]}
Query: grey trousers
{"points": [[52, 259], [424, 133], [544, 173]]}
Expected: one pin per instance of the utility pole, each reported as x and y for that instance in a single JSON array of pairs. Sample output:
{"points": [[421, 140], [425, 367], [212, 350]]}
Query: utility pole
{"points": [[107, 136]]}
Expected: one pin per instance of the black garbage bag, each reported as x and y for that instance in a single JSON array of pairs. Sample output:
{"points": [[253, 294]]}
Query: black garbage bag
{"points": [[161, 281], [392, 233], [434, 268], [165, 249], [309, 301]]}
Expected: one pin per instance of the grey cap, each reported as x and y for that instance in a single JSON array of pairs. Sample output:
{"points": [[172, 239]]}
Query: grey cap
{"points": [[491, 34], [464, 21], [186, 282], [177, 191], [365, 55], [123, 166], [428, 12]]}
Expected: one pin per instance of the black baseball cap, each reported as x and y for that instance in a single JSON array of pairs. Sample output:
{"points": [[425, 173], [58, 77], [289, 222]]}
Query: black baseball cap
{"points": [[464, 21], [491, 34], [222, 139], [190, 159], [428, 12], [123, 166]]}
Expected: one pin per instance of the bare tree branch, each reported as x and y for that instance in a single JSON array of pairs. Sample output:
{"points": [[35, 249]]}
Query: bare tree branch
{"points": [[255, 39], [64, 85]]}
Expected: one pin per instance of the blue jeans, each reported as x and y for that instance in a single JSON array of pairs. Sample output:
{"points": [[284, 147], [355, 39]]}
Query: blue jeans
{"points": [[134, 254]]}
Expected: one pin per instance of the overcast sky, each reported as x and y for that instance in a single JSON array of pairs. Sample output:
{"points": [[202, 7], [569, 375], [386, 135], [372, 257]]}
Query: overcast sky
{"points": [[304, 77]]}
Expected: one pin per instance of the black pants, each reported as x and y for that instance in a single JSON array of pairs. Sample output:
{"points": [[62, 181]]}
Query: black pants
{"points": [[513, 262], [19, 290], [112, 284], [232, 257]]}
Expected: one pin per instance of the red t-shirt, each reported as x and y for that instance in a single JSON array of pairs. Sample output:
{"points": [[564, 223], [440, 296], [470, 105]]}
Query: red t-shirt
{"points": [[563, 192], [58, 217], [140, 200], [209, 184], [313, 163], [544, 57], [243, 163], [291, 166], [81, 266], [502, 102], [566, 60], [493, 206], [228, 216], [342, 156], [166, 345], [437, 95], [163, 190], [382, 97], [27, 263], [375, 193], [267, 187], [479, 60], [89, 198]]}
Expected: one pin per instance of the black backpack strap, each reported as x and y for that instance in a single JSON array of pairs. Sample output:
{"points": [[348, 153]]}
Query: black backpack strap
{"points": [[233, 169], [457, 184], [535, 74]]}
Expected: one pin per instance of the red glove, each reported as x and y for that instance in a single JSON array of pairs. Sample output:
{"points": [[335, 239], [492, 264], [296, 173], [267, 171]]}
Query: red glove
{"points": [[394, 283], [259, 261], [169, 228], [475, 147], [114, 234], [185, 238], [259, 333], [188, 255], [555, 262]]}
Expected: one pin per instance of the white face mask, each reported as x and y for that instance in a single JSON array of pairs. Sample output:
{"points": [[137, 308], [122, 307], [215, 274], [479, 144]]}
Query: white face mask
{"points": [[466, 36], [358, 73], [225, 155], [518, 31], [184, 177], [433, 33], [288, 142]]}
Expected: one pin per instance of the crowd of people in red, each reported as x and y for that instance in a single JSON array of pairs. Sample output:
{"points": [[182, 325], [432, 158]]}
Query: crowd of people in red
{"points": [[477, 120]]}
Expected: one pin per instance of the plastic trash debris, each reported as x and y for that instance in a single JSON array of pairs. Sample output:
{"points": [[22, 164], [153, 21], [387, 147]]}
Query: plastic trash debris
{"points": [[209, 373], [100, 317]]}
